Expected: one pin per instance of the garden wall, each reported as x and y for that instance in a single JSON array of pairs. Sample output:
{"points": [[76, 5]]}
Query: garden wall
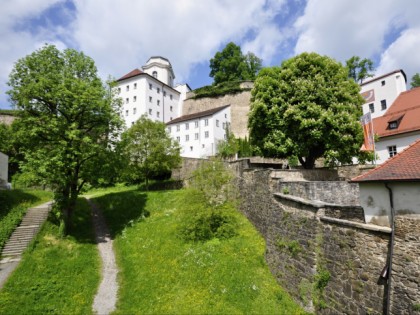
{"points": [[328, 260]]}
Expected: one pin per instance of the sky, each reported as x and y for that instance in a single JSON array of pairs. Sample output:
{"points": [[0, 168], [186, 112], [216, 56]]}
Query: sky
{"points": [[121, 35]]}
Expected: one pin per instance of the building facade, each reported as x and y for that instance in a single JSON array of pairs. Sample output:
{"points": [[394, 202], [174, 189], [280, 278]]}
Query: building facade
{"points": [[199, 134]]}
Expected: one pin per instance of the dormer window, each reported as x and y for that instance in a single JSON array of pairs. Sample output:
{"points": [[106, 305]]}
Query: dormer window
{"points": [[154, 74], [394, 122]]}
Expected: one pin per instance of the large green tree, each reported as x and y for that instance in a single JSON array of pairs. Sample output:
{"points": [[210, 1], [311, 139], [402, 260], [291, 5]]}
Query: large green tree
{"points": [[148, 150], [307, 108], [415, 80], [67, 122], [359, 69], [231, 64]]}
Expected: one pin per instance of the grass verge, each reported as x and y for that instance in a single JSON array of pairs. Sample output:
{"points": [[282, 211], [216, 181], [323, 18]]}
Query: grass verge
{"points": [[13, 206], [162, 274], [56, 275]]}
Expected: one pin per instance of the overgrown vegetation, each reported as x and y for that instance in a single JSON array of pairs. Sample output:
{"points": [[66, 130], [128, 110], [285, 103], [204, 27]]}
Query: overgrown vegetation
{"points": [[13, 206], [56, 275], [220, 89], [161, 273], [293, 246], [10, 112]]}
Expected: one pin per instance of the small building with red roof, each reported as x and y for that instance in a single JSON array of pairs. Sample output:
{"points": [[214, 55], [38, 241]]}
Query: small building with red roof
{"points": [[399, 126], [398, 179]]}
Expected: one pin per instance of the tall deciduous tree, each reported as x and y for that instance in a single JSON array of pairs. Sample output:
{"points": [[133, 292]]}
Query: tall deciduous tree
{"points": [[359, 69], [149, 150], [231, 65], [415, 80], [307, 108], [68, 120]]}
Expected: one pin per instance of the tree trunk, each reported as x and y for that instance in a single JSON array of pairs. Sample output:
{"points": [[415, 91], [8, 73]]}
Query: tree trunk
{"points": [[307, 162]]}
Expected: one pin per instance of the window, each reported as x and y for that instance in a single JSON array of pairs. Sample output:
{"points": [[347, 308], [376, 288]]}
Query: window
{"points": [[150, 111], [158, 102], [383, 82], [393, 125], [203, 146], [225, 115], [157, 114], [170, 108], [127, 88], [392, 150], [170, 96], [206, 122], [134, 98], [135, 85], [206, 134], [171, 118], [224, 125], [158, 90], [154, 74], [178, 127], [169, 129], [196, 136], [383, 104], [134, 111], [372, 107], [217, 122], [196, 124], [164, 93], [150, 86], [178, 139], [150, 99], [119, 90], [187, 126], [132, 123], [126, 100], [187, 137], [126, 112], [225, 136], [191, 148]]}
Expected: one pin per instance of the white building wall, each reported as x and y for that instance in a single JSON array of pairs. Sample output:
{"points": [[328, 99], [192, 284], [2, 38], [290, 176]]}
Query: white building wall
{"points": [[375, 200], [183, 89], [387, 88], [401, 142]]}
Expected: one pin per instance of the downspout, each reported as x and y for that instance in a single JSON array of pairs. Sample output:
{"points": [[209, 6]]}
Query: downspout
{"points": [[391, 252]]}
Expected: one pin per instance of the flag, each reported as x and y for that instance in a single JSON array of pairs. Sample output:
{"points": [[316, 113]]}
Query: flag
{"points": [[369, 142]]}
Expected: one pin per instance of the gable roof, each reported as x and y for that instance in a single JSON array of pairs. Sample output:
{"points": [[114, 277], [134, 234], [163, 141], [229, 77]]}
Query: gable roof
{"points": [[404, 166], [384, 76], [131, 74], [405, 108], [197, 115]]}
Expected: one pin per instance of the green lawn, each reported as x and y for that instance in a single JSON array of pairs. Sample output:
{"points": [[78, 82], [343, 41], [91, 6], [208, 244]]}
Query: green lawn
{"points": [[161, 274], [56, 276], [13, 206]]}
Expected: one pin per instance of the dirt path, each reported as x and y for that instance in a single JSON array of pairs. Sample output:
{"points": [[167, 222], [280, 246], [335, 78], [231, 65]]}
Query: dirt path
{"points": [[106, 297]]}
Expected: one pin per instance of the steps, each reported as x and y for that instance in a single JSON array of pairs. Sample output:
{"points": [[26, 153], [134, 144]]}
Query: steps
{"points": [[25, 232]]}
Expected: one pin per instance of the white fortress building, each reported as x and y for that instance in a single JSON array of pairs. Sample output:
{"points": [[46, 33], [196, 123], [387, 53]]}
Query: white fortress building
{"points": [[380, 92], [150, 92]]}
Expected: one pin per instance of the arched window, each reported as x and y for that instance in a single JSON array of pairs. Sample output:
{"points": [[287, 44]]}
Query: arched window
{"points": [[155, 74]]}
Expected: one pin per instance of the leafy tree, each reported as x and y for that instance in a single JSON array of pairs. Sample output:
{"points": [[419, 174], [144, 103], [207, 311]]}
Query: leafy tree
{"points": [[228, 148], [231, 65], [415, 80], [359, 69], [307, 108], [67, 123], [149, 150]]}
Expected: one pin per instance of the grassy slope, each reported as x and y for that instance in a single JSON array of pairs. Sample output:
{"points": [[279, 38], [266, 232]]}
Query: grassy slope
{"points": [[13, 206], [58, 276], [162, 274]]}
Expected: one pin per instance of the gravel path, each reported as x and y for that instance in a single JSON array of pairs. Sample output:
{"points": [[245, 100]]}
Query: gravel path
{"points": [[106, 297]]}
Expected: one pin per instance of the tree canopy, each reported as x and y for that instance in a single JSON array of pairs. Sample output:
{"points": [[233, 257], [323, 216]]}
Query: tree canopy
{"points": [[415, 80], [148, 150], [67, 123], [231, 64], [359, 69], [307, 108]]}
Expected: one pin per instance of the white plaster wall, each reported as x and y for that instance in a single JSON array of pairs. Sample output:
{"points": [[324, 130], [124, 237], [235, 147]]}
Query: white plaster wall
{"points": [[400, 141], [374, 198], [394, 85], [4, 168]]}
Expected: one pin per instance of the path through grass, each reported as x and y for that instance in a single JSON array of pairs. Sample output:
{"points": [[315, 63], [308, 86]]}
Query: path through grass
{"points": [[161, 274]]}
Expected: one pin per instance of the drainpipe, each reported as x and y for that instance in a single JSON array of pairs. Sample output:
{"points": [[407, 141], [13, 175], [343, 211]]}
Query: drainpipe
{"points": [[391, 200]]}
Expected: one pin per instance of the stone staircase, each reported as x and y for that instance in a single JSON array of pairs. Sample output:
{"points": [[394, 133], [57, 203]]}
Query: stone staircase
{"points": [[25, 232]]}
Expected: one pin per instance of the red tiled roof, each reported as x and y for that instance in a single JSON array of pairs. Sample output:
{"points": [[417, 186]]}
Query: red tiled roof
{"points": [[197, 115], [131, 74], [407, 106], [405, 166], [385, 75]]}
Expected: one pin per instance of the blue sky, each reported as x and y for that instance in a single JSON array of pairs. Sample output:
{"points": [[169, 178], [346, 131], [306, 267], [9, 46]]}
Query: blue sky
{"points": [[121, 35]]}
